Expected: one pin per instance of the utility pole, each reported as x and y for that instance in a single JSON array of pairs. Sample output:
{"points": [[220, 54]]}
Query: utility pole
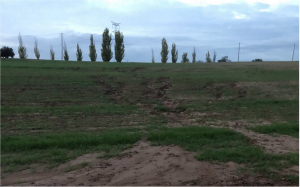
{"points": [[62, 47], [293, 53], [239, 54], [116, 25]]}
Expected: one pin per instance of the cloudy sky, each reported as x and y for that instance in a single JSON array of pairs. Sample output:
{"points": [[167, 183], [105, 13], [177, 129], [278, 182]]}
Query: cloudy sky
{"points": [[266, 29]]}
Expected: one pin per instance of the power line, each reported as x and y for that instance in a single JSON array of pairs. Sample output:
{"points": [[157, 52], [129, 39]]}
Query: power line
{"points": [[239, 53], [62, 50], [293, 53]]}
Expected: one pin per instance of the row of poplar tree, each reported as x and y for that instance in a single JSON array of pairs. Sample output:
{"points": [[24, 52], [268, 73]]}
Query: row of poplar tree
{"points": [[106, 51], [174, 52]]}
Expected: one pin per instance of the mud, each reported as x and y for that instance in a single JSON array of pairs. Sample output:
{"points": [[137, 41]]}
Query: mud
{"points": [[141, 166]]}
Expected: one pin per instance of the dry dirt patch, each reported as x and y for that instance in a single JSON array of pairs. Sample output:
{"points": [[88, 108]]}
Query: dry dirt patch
{"points": [[143, 165]]}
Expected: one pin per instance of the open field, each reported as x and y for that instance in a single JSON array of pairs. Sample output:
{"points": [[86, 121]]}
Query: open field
{"points": [[84, 123]]}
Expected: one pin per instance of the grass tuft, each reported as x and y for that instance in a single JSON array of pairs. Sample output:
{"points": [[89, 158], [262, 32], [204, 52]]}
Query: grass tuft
{"points": [[69, 140], [162, 109], [291, 129]]}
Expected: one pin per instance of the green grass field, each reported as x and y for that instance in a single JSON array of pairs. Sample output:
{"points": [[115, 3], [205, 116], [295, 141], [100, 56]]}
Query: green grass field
{"points": [[55, 111]]}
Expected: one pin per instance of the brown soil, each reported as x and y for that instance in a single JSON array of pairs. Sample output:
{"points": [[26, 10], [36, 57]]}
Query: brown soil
{"points": [[140, 166], [115, 92]]}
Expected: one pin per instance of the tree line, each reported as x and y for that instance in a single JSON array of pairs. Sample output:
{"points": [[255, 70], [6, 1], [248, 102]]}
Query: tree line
{"points": [[174, 53], [106, 52]]}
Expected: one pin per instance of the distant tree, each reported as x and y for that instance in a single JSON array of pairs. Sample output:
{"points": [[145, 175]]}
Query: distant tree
{"points": [[66, 55], [52, 53], [36, 50], [215, 56], [208, 59], [224, 59], [106, 52], [22, 49], [199, 61], [174, 53], [257, 60], [93, 53], [119, 46], [164, 51], [194, 55], [7, 52], [153, 61], [79, 53], [185, 58]]}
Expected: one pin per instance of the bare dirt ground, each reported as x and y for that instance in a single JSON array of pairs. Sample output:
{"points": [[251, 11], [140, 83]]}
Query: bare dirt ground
{"points": [[141, 165]]}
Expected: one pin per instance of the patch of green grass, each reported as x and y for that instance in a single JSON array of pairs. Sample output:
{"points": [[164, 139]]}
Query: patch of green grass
{"points": [[108, 109], [293, 179], [222, 145], [162, 109], [68, 140], [196, 138], [55, 149], [291, 129], [251, 109]]}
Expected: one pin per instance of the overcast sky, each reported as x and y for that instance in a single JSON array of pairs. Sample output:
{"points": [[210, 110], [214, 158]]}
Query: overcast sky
{"points": [[266, 29]]}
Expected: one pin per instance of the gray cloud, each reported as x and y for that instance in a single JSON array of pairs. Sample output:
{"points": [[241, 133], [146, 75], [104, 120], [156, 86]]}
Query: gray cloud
{"points": [[267, 35]]}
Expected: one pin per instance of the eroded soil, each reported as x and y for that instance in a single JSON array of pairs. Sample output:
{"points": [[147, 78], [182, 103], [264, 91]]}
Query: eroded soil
{"points": [[140, 166]]}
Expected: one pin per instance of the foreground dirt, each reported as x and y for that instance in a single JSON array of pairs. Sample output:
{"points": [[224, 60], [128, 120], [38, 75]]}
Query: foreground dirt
{"points": [[139, 166]]}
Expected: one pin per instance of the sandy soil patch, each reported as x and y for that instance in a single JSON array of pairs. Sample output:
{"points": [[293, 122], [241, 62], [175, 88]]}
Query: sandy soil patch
{"points": [[140, 166]]}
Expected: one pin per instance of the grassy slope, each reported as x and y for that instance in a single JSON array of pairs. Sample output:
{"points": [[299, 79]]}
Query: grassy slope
{"points": [[43, 99]]}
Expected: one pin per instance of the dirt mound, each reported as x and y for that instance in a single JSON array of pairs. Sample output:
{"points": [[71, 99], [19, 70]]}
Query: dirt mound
{"points": [[145, 165]]}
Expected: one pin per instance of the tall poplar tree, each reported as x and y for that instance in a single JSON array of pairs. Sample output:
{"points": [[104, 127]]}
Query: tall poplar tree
{"points": [[36, 50], [119, 46], [106, 52], [194, 55], [153, 61], [66, 54], [21, 48], [93, 53], [79, 53], [174, 53], [164, 51], [208, 59], [215, 56], [52, 53]]}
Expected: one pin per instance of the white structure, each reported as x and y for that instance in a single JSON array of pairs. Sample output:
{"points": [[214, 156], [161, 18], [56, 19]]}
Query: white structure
{"points": [[116, 25]]}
